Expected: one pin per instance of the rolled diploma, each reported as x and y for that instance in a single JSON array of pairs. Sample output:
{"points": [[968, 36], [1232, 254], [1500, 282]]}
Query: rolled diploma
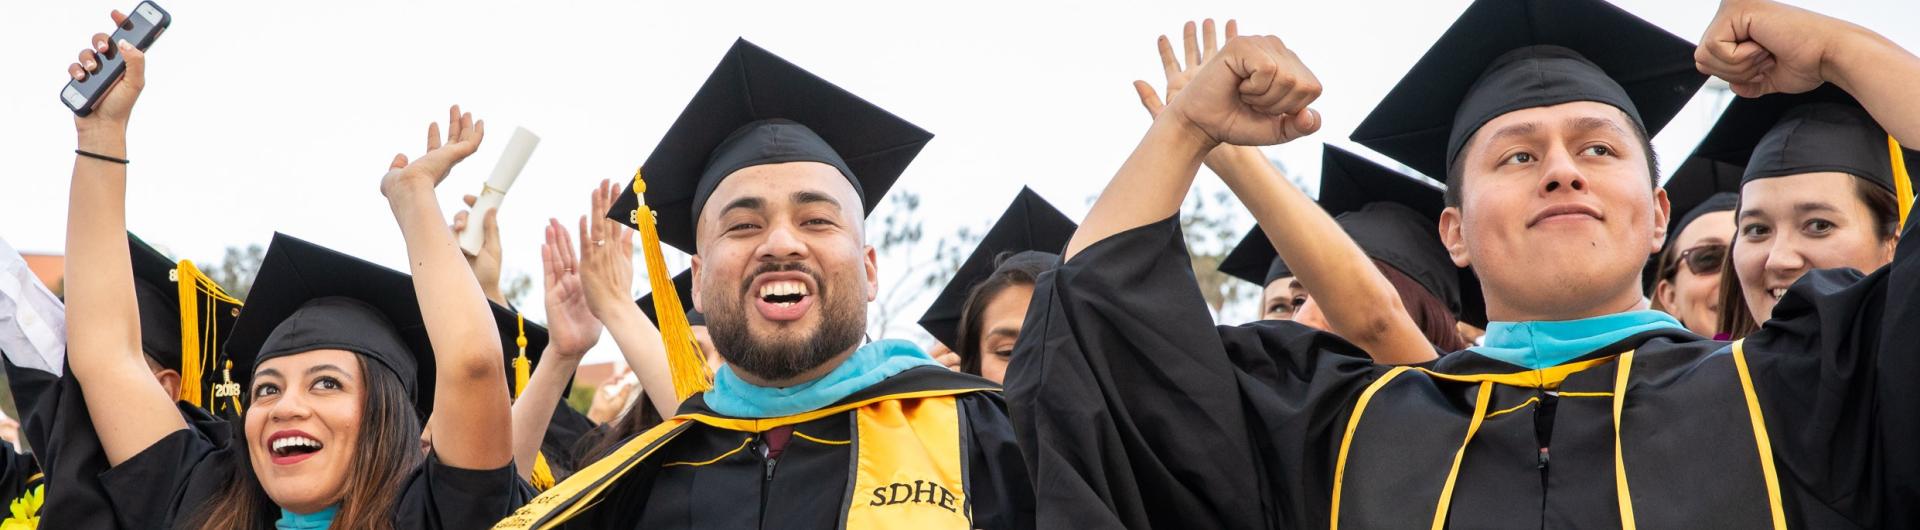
{"points": [[512, 160]]}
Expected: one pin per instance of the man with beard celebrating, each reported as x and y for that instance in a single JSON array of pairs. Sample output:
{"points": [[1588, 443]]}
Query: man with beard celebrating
{"points": [[767, 177]]}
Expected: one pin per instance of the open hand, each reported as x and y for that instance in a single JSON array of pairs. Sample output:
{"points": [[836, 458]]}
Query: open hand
{"points": [[463, 138], [606, 255], [571, 328], [1178, 72]]}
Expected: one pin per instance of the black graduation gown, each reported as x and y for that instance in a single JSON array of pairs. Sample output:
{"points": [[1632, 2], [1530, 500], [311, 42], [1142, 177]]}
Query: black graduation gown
{"points": [[20, 472], [170, 479], [561, 445], [1136, 411], [808, 485], [20, 475], [60, 431]]}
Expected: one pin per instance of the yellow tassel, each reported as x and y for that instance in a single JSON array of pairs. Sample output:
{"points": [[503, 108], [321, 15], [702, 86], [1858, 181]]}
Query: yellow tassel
{"points": [[198, 344], [1902, 182], [189, 290], [542, 476], [684, 360], [521, 366]]}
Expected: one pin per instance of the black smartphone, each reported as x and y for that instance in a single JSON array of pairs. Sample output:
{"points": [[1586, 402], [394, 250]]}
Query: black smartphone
{"points": [[142, 27]]}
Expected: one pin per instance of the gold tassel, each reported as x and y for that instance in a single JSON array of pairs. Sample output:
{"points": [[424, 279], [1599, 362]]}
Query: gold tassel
{"points": [[1902, 182], [542, 476], [684, 360], [185, 277], [521, 366], [198, 340]]}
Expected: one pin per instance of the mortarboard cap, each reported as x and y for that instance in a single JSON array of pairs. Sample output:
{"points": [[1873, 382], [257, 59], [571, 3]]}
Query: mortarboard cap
{"points": [[1791, 134], [1506, 55], [757, 109], [1030, 231], [308, 297], [186, 338]]}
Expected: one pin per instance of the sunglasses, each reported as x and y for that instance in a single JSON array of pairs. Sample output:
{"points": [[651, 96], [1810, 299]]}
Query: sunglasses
{"points": [[1703, 260]]}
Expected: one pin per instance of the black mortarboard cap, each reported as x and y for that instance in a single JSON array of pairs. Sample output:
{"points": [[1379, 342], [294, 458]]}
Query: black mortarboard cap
{"points": [[1395, 218], [1790, 134], [1255, 260], [682, 284], [510, 324], [1031, 229], [157, 292], [308, 297], [757, 109], [1506, 55]]}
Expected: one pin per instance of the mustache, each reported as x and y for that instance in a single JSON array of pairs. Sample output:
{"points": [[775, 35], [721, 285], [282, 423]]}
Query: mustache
{"points": [[790, 266]]}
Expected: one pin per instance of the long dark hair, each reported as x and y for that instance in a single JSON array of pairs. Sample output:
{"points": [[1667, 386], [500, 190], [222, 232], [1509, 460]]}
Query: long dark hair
{"points": [[385, 454], [1007, 272], [603, 439], [1737, 320]]}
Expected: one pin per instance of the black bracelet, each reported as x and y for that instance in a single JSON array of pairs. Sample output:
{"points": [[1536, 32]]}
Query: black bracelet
{"points": [[98, 156]]}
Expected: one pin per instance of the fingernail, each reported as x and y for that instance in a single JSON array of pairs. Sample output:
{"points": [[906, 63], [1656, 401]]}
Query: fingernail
{"points": [[124, 45]]}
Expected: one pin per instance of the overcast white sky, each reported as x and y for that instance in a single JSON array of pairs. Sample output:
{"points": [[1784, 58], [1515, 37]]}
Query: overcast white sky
{"points": [[265, 116]]}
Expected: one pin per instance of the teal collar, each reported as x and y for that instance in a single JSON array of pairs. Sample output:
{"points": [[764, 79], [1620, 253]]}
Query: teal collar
{"points": [[319, 520], [732, 396], [1545, 344]]}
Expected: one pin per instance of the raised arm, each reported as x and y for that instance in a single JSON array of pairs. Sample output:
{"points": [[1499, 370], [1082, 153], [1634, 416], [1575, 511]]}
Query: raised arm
{"points": [[130, 409], [1254, 92], [470, 386], [606, 260], [1762, 47], [571, 331], [1361, 305]]}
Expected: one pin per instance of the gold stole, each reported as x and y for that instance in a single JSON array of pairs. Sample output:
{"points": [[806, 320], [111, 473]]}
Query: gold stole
{"points": [[910, 464]]}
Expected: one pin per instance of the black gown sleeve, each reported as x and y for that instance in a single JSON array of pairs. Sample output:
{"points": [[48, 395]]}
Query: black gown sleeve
{"points": [[1135, 410], [161, 483], [561, 445], [1835, 371], [17, 475], [60, 431], [440, 496], [1001, 493], [28, 386]]}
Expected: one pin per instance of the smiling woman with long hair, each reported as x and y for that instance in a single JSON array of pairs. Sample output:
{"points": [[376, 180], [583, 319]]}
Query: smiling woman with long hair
{"points": [[338, 361], [1817, 193]]}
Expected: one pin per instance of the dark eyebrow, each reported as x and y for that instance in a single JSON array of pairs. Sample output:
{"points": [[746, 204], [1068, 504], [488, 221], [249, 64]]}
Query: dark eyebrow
{"points": [[1518, 129], [266, 373], [750, 203], [1589, 124], [327, 367], [1802, 208], [1004, 332], [807, 197]]}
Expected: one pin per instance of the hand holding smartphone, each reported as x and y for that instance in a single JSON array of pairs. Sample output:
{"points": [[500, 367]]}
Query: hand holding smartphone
{"points": [[140, 28]]}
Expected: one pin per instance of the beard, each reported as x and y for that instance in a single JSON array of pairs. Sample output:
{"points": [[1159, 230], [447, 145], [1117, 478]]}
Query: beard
{"points": [[785, 354]]}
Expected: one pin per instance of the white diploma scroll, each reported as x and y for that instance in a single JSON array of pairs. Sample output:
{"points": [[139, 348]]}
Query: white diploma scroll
{"points": [[512, 160]]}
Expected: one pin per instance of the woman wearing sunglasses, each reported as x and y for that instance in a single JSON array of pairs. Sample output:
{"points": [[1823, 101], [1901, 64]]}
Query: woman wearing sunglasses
{"points": [[1684, 281]]}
